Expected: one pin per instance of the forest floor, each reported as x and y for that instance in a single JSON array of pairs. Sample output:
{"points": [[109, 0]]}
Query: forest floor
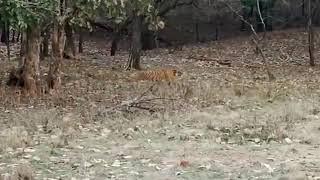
{"points": [[215, 122]]}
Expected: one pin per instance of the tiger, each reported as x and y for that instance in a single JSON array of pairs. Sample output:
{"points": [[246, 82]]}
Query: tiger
{"points": [[156, 75]]}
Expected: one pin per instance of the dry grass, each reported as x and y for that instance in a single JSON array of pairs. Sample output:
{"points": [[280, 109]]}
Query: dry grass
{"points": [[22, 172], [15, 137], [209, 103]]}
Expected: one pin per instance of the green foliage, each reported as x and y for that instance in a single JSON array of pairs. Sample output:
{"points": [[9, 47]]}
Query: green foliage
{"points": [[80, 11], [263, 3], [20, 14], [120, 11], [248, 3]]}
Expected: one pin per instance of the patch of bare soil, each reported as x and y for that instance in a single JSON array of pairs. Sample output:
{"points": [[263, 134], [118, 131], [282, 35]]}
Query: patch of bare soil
{"points": [[218, 121]]}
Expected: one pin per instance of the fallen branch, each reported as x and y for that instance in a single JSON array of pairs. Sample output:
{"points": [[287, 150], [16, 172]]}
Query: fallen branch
{"points": [[138, 102], [207, 59]]}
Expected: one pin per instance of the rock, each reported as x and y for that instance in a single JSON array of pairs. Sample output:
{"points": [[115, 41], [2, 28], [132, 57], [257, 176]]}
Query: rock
{"points": [[54, 159], [158, 168], [207, 167], [134, 172], [247, 131], [27, 156], [127, 157], [9, 149], [312, 117], [218, 140], [145, 160], [116, 163], [79, 147], [105, 132], [288, 140], [151, 165], [95, 150], [87, 164], [29, 150], [36, 158]]}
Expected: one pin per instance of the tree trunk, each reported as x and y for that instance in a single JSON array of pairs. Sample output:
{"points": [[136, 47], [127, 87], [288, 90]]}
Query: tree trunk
{"points": [[13, 36], [5, 33], [217, 27], [69, 49], [135, 50], [80, 41], [7, 39], [266, 10], [148, 40], [31, 69], [260, 16], [302, 8], [45, 42], [58, 42], [120, 30], [15, 77], [58, 45], [23, 48], [18, 36], [196, 31], [115, 41], [247, 13], [310, 34], [269, 12]]}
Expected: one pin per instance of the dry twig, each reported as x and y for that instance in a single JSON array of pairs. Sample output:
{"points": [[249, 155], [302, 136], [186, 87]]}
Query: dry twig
{"points": [[256, 39], [139, 101]]}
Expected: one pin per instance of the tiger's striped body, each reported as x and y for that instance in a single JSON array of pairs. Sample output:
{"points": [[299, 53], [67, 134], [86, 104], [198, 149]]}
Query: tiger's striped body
{"points": [[156, 75]]}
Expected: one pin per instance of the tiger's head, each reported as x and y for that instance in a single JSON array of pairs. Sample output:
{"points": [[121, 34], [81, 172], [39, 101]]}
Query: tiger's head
{"points": [[177, 73]]}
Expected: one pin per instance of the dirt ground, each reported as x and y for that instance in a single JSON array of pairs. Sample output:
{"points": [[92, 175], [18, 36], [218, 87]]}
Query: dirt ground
{"points": [[215, 122]]}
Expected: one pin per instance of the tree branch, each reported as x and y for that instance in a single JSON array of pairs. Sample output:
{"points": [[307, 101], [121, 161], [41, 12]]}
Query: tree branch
{"points": [[175, 5], [256, 39]]}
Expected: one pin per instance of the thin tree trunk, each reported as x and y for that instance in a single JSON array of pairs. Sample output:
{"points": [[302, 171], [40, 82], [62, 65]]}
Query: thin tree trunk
{"points": [[5, 33], [136, 46], [148, 39], [80, 41], [58, 42], [15, 77], [197, 31], [13, 35], [18, 36], [302, 8], [310, 34], [117, 36], [45, 44], [3, 36], [115, 41], [31, 69], [69, 49], [256, 40], [217, 33], [23, 49], [7, 39]]}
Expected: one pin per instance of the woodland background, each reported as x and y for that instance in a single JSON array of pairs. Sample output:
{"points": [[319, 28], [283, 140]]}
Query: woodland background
{"points": [[245, 107]]}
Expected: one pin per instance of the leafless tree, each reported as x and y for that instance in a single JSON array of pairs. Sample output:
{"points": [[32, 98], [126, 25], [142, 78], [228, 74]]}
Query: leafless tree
{"points": [[310, 34]]}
